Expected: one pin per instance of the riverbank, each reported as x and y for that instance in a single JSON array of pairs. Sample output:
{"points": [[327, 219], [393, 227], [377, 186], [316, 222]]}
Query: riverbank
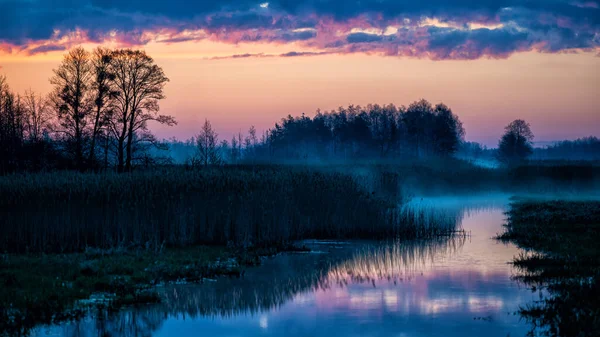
{"points": [[562, 239], [48, 288], [58, 212], [467, 274]]}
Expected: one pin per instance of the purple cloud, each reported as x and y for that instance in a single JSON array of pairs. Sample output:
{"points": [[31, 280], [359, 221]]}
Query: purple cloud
{"points": [[438, 29]]}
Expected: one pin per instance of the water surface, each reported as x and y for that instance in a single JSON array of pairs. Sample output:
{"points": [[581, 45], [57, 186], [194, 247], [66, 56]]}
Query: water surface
{"points": [[459, 286]]}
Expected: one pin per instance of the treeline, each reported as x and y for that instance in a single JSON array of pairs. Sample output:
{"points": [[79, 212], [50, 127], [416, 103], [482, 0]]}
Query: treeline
{"points": [[419, 130], [382, 134], [96, 115], [98, 112], [24, 141], [354, 133], [587, 148]]}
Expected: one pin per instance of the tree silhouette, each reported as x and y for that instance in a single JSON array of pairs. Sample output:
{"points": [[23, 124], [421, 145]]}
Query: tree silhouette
{"points": [[516, 143], [372, 132], [586, 148], [38, 116], [12, 125], [103, 96], [448, 131], [139, 85], [71, 99], [207, 144]]}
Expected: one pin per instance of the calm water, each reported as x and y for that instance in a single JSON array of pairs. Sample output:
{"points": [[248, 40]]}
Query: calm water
{"points": [[450, 287]]}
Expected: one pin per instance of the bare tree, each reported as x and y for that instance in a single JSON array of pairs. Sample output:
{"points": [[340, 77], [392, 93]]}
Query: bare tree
{"points": [[37, 115], [71, 98], [103, 96], [252, 135], [207, 144], [240, 145], [139, 83], [251, 142], [234, 151]]}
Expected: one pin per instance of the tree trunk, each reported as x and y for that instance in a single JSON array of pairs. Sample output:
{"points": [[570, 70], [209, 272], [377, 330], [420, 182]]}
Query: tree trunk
{"points": [[92, 155], [106, 153], [78, 146], [129, 144], [130, 138], [120, 146]]}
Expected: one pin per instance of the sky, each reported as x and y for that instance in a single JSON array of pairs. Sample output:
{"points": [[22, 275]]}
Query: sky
{"points": [[242, 62]]}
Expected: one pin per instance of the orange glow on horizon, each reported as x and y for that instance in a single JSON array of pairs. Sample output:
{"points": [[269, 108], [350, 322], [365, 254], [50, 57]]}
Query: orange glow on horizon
{"points": [[556, 93]]}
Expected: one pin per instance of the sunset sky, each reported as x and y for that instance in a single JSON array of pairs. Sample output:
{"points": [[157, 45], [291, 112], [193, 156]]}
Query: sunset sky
{"points": [[243, 62]]}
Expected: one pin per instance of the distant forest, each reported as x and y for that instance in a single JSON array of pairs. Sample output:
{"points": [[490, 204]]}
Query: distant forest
{"points": [[346, 134], [587, 148], [97, 118], [329, 146]]}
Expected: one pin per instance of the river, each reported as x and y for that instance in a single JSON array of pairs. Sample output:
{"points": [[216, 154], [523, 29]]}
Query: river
{"points": [[456, 286]]}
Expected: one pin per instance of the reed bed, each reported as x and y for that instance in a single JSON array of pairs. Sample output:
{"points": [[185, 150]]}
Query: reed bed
{"points": [[242, 206]]}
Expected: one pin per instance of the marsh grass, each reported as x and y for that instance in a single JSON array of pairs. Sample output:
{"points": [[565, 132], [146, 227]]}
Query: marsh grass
{"points": [[562, 259], [279, 281], [67, 236], [42, 289], [556, 176], [241, 206], [245, 205]]}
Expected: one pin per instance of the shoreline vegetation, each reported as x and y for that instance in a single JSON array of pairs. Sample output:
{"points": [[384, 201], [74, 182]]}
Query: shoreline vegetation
{"points": [[106, 239], [562, 259], [49, 288], [249, 205]]}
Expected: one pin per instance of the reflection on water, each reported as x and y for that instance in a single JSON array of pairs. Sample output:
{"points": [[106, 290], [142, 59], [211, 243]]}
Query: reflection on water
{"points": [[456, 286], [394, 262]]}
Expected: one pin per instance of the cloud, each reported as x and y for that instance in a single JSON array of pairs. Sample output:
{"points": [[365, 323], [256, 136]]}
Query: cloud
{"points": [[363, 37], [263, 55], [438, 29], [296, 54], [239, 56], [45, 49]]}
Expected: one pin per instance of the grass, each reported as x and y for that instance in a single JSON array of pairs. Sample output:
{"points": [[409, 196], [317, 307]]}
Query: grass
{"points": [[556, 176], [563, 259], [248, 206], [66, 236], [41, 289], [65, 212]]}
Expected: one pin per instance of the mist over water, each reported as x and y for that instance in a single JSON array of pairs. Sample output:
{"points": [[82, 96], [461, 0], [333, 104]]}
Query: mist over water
{"points": [[454, 286]]}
